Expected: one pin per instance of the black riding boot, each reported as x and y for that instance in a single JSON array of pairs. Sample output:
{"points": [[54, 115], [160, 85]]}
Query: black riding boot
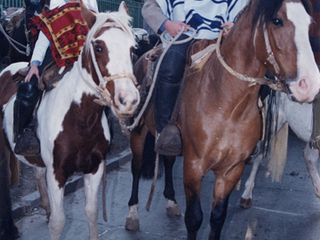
{"points": [[27, 143], [169, 141], [315, 136], [169, 77]]}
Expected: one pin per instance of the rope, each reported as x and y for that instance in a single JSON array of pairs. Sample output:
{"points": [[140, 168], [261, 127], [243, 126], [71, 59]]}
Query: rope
{"points": [[153, 185], [169, 42], [13, 42]]}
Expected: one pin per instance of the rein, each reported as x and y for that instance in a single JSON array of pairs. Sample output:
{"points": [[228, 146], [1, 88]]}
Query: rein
{"points": [[104, 96], [273, 84]]}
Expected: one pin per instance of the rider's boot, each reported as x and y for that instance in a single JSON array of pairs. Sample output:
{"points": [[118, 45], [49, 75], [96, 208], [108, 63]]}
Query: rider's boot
{"points": [[315, 136], [169, 141], [27, 143]]}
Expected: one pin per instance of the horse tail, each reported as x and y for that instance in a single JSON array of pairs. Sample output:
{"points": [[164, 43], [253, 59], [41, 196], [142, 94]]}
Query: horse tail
{"points": [[149, 158], [278, 153]]}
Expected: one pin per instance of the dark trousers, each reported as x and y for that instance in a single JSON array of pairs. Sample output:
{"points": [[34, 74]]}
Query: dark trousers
{"points": [[168, 82]]}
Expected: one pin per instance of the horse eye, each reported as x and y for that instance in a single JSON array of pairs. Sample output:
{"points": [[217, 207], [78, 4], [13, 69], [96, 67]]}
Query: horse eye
{"points": [[277, 22], [98, 49]]}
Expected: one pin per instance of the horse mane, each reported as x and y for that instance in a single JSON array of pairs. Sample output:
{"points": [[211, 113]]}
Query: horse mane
{"points": [[265, 10], [123, 20]]}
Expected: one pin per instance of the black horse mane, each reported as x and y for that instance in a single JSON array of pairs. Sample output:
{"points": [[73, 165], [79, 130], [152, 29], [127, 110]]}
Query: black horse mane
{"points": [[267, 9]]}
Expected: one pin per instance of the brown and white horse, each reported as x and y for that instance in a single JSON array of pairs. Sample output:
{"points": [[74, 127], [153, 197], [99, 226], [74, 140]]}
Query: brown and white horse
{"points": [[72, 128], [219, 116]]}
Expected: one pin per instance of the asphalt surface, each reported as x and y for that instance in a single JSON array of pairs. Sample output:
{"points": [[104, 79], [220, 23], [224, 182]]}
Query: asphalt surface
{"points": [[288, 210]]}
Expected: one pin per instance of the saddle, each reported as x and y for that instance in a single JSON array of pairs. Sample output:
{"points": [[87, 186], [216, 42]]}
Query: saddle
{"points": [[49, 79]]}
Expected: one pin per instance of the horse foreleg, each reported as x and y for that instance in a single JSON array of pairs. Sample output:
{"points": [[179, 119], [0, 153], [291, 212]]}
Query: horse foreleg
{"points": [[57, 217], [224, 184], [169, 193], [137, 142], [91, 185], [311, 158], [246, 198], [40, 174], [193, 215]]}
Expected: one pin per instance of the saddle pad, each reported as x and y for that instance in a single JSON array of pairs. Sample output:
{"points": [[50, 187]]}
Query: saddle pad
{"points": [[200, 58]]}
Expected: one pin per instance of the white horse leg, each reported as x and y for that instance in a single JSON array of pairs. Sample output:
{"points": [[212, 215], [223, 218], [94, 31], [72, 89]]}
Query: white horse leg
{"points": [[91, 185], [57, 218], [132, 221], [172, 208], [40, 174], [246, 198], [311, 159]]}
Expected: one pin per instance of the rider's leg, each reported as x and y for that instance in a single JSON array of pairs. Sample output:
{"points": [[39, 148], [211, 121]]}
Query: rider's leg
{"points": [[167, 87], [27, 97], [26, 100]]}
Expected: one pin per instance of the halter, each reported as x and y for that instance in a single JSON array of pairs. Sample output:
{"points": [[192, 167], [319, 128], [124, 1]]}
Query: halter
{"points": [[272, 83], [104, 96]]}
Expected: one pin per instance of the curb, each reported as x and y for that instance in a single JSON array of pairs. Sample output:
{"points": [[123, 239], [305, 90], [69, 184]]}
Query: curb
{"points": [[32, 200]]}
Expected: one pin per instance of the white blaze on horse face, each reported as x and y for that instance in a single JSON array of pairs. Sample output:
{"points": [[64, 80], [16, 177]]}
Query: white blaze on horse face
{"points": [[126, 97], [307, 83]]}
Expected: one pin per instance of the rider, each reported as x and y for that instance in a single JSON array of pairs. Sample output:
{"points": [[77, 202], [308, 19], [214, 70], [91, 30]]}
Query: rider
{"points": [[207, 18], [69, 25]]}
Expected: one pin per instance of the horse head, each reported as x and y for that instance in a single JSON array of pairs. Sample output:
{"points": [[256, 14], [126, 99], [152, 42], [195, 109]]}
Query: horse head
{"points": [[33, 8], [281, 42], [107, 58]]}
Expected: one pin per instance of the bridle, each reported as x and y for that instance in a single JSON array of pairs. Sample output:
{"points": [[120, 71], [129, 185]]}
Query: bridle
{"points": [[274, 84], [102, 93]]}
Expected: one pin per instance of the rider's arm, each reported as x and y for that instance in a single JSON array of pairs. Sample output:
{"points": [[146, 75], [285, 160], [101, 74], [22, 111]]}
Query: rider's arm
{"points": [[40, 49], [38, 55], [153, 15], [158, 22]]}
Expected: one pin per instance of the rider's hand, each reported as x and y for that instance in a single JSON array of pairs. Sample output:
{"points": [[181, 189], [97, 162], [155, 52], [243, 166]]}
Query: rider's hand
{"points": [[174, 28], [228, 26], [33, 71]]}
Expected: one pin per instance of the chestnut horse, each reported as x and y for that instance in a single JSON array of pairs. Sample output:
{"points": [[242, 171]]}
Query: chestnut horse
{"points": [[72, 128], [219, 116]]}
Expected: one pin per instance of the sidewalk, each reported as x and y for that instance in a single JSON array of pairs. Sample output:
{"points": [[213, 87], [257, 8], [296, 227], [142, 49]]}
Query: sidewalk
{"points": [[32, 201]]}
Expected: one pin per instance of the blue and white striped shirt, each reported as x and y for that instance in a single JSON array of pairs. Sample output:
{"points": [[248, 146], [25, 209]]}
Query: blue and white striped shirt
{"points": [[206, 16]]}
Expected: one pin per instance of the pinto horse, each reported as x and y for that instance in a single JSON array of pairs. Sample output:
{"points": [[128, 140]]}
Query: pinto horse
{"points": [[15, 36], [72, 128], [219, 116], [299, 118]]}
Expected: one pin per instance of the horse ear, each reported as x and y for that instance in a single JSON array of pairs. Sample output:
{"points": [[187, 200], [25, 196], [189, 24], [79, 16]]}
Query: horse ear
{"points": [[88, 15], [43, 3], [27, 2], [123, 8]]}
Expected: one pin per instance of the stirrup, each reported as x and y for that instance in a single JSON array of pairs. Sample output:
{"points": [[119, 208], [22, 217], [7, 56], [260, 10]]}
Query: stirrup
{"points": [[169, 142], [27, 144]]}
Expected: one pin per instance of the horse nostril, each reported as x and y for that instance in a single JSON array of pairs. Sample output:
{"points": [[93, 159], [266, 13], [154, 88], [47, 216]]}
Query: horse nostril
{"points": [[122, 101]]}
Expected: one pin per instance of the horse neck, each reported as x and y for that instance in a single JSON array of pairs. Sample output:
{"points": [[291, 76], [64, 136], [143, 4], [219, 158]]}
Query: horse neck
{"points": [[79, 86], [238, 51]]}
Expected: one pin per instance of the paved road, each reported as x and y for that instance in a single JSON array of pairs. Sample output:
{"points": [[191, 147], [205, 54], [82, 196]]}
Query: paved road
{"points": [[281, 211]]}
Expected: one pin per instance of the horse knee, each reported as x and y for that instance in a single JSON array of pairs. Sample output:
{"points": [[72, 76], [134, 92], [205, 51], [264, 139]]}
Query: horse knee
{"points": [[193, 216]]}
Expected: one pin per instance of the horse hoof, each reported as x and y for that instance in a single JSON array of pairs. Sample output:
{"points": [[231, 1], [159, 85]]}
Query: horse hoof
{"points": [[172, 209], [132, 224], [246, 202]]}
